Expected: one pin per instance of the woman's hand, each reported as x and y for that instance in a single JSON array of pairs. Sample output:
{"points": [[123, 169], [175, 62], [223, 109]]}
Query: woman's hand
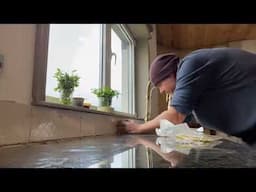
{"points": [[128, 126]]}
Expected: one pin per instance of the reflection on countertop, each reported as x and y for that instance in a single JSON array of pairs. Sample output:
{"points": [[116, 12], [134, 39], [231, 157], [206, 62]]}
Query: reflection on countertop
{"points": [[126, 151]]}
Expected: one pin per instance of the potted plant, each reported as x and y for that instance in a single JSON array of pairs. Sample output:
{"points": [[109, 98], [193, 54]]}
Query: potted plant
{"points": [[78, 101], [105, 95], [66, 85]]}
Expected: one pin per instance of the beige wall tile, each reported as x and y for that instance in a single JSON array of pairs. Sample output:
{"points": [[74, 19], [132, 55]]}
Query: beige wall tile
{"points": [[15, 123], [88, 124], [106, 125], [95, 124], [48, 123]]}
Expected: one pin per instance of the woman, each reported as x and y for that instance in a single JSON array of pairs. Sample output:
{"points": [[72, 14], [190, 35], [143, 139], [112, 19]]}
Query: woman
{"points": [[217, 86]]}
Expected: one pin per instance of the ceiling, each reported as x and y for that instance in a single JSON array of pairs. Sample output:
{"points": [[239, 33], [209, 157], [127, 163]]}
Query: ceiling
{"points": [[192, 36]]}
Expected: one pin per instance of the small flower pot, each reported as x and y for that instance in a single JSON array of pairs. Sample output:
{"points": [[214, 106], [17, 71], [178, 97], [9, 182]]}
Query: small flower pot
{"points": [[66, 96], [105, 101], [78, 101]]}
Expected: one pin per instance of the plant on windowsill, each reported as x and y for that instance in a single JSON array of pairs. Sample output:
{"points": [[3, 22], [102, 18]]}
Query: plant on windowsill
{"points": [[105, 95], [66, 85]]}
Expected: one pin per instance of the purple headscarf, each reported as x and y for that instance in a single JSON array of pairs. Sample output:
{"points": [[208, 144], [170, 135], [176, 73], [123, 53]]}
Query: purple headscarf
{"points": [[162, 67]]}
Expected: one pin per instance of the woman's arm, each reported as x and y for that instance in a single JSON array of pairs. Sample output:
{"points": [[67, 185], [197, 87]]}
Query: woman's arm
{"points": [[171, 115]]}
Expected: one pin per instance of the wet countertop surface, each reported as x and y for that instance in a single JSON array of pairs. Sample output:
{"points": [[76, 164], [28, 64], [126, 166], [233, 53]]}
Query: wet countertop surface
{"points": [[126, 151]]}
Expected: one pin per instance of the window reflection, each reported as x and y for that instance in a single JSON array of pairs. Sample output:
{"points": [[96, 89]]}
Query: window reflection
{"points": [[124, 159]]}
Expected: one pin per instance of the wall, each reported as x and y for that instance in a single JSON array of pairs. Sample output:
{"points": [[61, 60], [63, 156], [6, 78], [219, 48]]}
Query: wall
{"points": [[152, 54], [180, 52], [146, 47], [249, 45], [17, 46], [21, 122], [141, 77]]}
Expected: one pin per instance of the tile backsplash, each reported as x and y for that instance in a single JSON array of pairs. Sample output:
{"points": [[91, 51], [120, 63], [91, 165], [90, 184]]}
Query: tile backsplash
{"points": [[21, 123]]}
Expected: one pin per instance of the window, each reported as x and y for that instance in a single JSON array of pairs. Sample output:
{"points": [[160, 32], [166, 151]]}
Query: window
{"points": [[74, 47], [101, 54], [122, 47]]}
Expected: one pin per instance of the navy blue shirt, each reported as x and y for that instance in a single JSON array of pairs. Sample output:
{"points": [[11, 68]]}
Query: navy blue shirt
{"points": [[218, 86]]}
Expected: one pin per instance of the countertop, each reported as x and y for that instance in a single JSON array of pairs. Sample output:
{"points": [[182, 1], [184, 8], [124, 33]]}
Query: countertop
{"points": [[126, 151]]}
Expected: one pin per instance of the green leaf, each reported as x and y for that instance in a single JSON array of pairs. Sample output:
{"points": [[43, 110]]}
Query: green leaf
{"points": [[105, 92], [66, 83]]}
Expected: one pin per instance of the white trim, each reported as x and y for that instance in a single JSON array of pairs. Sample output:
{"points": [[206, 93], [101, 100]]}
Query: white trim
{"points": [[131, 84], [107, 78], [127, 36], [102, 55], [132, 81]]}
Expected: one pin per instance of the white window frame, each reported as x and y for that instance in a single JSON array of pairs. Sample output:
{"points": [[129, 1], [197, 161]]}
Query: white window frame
{"points": [[131, 69]]}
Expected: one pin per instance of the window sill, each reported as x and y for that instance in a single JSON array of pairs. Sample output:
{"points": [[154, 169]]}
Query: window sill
{"points": [[82, 109]]}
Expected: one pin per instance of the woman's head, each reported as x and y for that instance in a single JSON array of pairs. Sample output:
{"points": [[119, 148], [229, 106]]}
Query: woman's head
{"points": [[163, 72]]}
